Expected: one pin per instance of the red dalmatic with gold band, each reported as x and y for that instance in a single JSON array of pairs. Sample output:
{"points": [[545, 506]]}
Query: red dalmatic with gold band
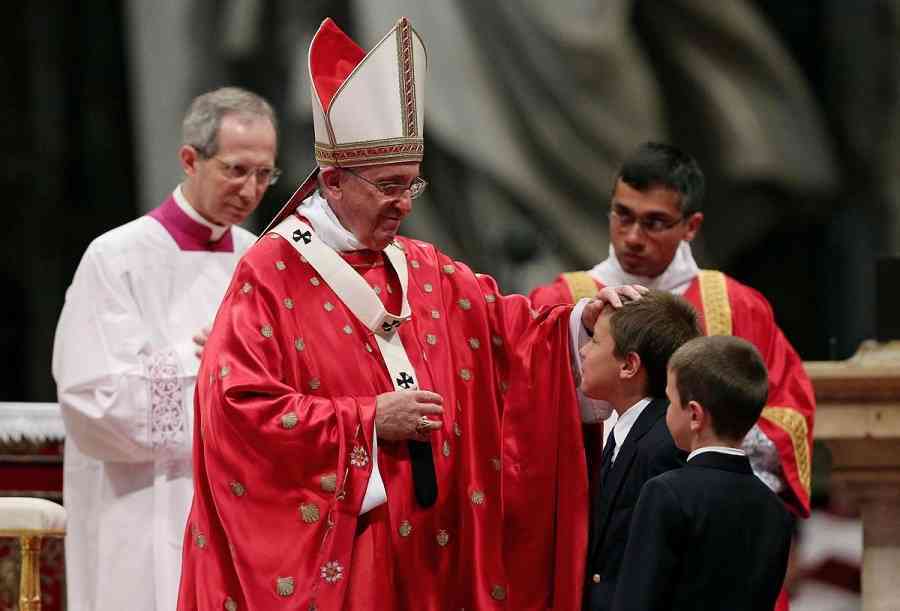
{"points": [[284, 410], [728, 307]]}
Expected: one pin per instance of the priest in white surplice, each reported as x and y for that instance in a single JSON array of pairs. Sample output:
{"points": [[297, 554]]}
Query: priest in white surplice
{"points": [[126, 353]]}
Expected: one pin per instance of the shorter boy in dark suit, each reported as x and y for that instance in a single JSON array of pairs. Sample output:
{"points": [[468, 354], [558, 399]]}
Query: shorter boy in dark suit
{"points": [[710, 535]]}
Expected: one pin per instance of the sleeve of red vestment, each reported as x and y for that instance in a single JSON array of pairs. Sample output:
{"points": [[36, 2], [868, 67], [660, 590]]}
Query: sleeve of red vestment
{"points": [[787, 419], [544, 473], [543, 477], [556, 292]]}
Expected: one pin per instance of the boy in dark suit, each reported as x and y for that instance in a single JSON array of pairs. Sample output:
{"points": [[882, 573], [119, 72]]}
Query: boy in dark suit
{"points": [[625, 364], [710, 535]]}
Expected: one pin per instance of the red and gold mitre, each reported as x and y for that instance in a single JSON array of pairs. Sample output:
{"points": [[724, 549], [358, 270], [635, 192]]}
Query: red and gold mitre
{"points": [[368, 108]]}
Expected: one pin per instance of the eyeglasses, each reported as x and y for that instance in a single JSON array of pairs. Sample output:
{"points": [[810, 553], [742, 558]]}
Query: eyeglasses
{"points": [[624, 220], [239, 172], [392, 189]]}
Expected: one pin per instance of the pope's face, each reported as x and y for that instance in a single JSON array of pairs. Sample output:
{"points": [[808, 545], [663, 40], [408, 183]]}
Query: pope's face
{"points": [[646, 228], [363, 208]]}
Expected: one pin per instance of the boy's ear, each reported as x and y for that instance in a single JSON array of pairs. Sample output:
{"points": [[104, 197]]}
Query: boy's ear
{"points": [[699, 417], [630, 366]]}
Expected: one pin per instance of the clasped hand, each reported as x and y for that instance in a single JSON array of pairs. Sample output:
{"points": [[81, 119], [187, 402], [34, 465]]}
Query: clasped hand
{"points": [[403, 414]]}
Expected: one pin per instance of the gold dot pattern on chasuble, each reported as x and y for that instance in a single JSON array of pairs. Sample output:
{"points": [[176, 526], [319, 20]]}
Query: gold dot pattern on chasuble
{"points": [[289, 420], [328, 482], [309, 513], [284, 586], [442, 538]]}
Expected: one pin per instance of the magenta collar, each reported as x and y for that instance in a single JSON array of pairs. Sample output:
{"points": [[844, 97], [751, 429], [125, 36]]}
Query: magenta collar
{"points": [[188, 233]]}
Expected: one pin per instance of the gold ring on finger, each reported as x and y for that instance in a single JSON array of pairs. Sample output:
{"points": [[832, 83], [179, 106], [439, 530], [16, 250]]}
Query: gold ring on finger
{"points": [[423, 425]]}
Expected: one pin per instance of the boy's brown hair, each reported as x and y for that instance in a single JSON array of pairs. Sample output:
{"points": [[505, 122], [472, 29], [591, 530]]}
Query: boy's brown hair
{"points": [[654, 327], [727, 376]]}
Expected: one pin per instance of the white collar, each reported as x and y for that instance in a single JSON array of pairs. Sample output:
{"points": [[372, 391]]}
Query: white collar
{"points": [[719, 449], [325, 223], [625, 422], [217, 230], [676, 279]]}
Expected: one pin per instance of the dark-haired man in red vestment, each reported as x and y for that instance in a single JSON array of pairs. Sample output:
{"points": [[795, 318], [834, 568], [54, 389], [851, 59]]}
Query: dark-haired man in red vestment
{"points": [[655, 212]]}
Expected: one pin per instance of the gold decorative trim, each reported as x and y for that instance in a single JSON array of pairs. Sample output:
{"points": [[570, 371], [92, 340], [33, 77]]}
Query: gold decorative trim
{"points": [[716, 307], [794, 424], [407, 72], [352, 154], [580, 284], [44, 533]]}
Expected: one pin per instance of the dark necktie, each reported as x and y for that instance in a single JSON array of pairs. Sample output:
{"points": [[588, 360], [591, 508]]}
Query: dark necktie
{"points": [[606, 458]]}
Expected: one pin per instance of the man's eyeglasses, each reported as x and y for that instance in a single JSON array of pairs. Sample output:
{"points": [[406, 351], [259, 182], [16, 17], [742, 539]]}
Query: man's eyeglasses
{"points": [[392, 189], [624, 219], [239, 172]]}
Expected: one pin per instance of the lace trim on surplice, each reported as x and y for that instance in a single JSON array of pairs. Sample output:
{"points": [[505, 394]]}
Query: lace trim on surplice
{"points": [[167, 427]]}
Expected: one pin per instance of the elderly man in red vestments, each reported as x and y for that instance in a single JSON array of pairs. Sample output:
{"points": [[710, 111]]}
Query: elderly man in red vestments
{"points": [[654, 214], [377, 426]]}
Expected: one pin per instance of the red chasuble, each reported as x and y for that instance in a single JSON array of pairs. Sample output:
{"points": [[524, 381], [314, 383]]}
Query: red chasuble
{"points": [[727, 307], [285, 408]]}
